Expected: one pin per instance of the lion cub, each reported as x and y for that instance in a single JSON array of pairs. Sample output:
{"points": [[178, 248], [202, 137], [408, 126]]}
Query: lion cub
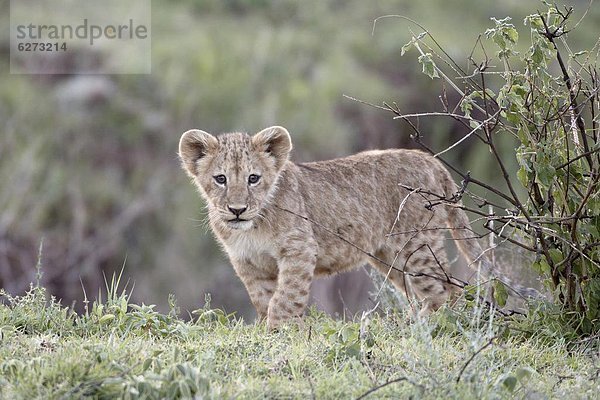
{"points": [[282, 224]]}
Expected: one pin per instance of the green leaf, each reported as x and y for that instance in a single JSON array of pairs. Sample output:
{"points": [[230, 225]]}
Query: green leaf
{"points": [[429, 67], [474, 124], [520, 90], [513, 117], [545, 172], [512, 35], [185, 390], [510, 382], [147, 364], [537, 55], [406, 47], [500, 293], [107, 318], [470, 291], [542, 266], [173, 390], [123, 305], [466, 105], [556, 255], [522, 176], [524, 135], [534, 21]]}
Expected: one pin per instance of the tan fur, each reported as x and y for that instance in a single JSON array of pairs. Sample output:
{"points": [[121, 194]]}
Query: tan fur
{"points": [[277, 253]]}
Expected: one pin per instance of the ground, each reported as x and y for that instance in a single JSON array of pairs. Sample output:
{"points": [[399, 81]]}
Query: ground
{"points": [[117, 349]]}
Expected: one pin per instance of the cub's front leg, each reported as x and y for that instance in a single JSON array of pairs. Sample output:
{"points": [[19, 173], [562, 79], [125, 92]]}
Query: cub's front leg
{"points": [[296, 269], [260, 284]]}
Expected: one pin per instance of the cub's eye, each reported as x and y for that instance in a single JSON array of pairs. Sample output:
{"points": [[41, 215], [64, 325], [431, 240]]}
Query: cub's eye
{"points": [[220, 179], [253, 179]]}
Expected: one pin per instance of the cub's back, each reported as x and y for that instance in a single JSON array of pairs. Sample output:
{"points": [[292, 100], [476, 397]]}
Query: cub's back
{"points": [[375, 170], [359, 195]]}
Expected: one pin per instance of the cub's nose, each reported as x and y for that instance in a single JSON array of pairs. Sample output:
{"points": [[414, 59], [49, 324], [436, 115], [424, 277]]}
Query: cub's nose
{"points": [[237, 210]]}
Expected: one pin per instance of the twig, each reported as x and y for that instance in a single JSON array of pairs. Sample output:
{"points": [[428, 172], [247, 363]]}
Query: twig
{"points": [[468, 135], [434, 114], [402, 207], [488, 344], [376, 388], [567, 79], [586, 154]]}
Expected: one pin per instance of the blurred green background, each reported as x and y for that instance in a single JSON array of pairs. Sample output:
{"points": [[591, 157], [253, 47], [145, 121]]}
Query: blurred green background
{"points": [[88, 163]]}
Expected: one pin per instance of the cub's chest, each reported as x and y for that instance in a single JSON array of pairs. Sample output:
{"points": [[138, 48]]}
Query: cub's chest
{"points": [[253, 247]]}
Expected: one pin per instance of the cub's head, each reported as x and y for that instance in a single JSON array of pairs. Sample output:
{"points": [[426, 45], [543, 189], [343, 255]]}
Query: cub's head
{"points": [[235, 172]]}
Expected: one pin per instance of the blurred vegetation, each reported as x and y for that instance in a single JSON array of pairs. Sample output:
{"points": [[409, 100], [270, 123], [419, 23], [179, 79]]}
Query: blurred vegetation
{"points": [[88, 163]]}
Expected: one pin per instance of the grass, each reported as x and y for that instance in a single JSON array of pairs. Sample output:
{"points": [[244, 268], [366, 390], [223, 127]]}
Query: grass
{"points": [[118, 349]]}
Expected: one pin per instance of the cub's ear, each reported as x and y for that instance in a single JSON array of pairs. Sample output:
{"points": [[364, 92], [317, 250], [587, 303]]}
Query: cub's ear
{"points": [[193, 145], [275, 141]]}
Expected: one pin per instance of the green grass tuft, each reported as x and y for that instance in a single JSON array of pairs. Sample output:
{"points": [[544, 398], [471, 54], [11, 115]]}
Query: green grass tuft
{"points": [[119, 349]]}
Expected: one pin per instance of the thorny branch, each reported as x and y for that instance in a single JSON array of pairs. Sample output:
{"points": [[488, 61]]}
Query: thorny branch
{"points": [[451, 280], [553, 218]]}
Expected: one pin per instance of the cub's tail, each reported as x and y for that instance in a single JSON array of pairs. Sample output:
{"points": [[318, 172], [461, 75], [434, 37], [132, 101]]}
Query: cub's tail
{"points": [[469, 246]]}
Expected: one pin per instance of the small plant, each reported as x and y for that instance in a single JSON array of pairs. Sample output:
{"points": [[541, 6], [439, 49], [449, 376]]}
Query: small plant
{"points": [[207, 315], [545, 101], [347, 341]]}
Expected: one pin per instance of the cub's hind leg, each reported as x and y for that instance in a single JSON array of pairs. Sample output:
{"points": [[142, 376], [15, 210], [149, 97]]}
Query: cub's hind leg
{"points": [[420, 271], [389, 268], [426, 262]]}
